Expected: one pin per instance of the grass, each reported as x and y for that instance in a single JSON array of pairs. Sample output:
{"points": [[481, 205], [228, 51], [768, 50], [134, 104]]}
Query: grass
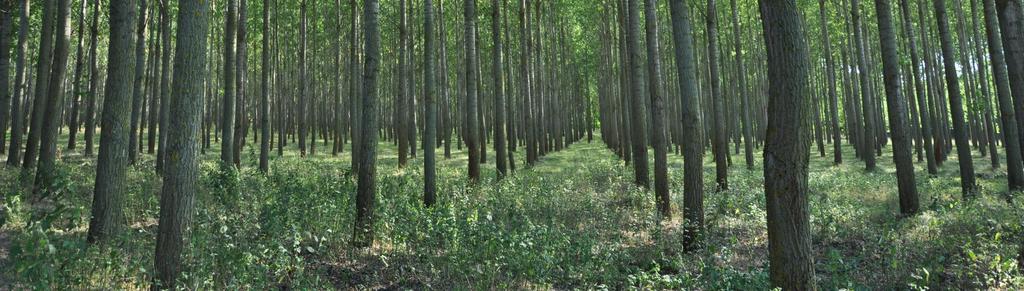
{"points": [[573, 221]]}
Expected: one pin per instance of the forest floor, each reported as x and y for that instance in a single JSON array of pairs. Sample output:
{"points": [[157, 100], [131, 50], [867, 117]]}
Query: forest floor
{"points": [[572, 221]]}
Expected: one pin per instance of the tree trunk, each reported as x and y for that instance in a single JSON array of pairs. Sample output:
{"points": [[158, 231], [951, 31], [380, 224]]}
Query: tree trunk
{"points": [[1014, 166], [902, 155], [138, 92], [46, 175], [20, 85], [227, 113], [182, 172], [787, 147], [367, 181], [637, 104], [963, 147], [472, 122], [720, 146], [430, 126], [108, 194]]}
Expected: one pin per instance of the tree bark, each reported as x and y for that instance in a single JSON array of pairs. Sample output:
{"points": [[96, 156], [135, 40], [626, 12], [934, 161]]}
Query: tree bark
{"points": [[787, 147]]}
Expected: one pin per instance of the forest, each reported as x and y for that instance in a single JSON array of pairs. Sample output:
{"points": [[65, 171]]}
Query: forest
{"points": [[511, 144]]}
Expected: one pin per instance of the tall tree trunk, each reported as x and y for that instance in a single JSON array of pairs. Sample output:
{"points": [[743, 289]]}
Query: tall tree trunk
{"points": [[830, 71], [367, 182], [963, 147], [430, 126], [902, 155], [165, 85], [865, 87], [693, 139], [75, 81], [20, 85], [720, 146], [138, 92], [182, 172], [637, 104], [42, 72], [472, 122], [661, 193], [1014, 166], [227, 112], [500, 153], [46, 174], [265, 136], [919, 89], [108, 194], [787, 147]]}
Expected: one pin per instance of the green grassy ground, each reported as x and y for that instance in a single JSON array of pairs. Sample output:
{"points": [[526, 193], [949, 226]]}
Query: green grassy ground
{"points": [[573, 221]]}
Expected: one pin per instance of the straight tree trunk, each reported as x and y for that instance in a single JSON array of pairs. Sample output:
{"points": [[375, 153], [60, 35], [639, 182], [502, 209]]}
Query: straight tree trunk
{"points": [[430, 126], [787, 147], [637, 103], [658, 131], [963, 147], [865, 87], [472, 122], [367, 182], [693, 138], [182, 172], [108, 194], [165, 85], [720, 146], [402, 111], [46, 173], [42, 72], [902, 155], [1014, 166], [837, 144], [265, 92], [138, 92], [227, 112], [20, 85], [919, 88], [500, 153]]}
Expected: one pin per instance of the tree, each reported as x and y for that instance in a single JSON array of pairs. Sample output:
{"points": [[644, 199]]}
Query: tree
{"points": [[138, 92], [693, 137], [640, 170], [498, 59], [303, 82], [473, 126], [1014, 171], [867, 106], [165, 84], [227, 112], [956, 106], [658, 131], [45, 175], [265, 92], [366, 187], [20, 85], [1011, 28], [787, 147], [430, 126], [402, 110], [830, 71], [719, 145], [42, 78], [111, 165], [76, 80], [94, 82], [182, 169], [919, 89], [902, 155], [741, 76]]}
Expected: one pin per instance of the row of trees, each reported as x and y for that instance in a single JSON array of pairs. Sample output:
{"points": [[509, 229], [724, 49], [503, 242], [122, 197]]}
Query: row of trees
{"points": [[935, 79], [333, 76]]}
